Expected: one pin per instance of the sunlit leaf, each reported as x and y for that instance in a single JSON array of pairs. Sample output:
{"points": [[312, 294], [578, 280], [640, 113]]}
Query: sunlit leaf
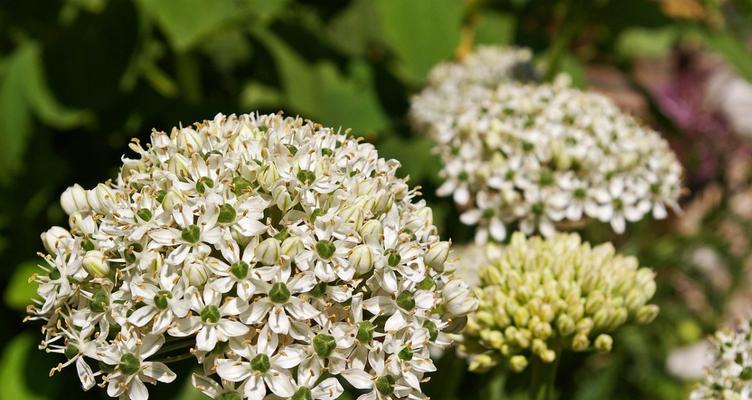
{"points": [[644, 42], [23, 94], [13, 365], [495, 28], [19, 292], [321, 92], [186, 22], [420, 32]]}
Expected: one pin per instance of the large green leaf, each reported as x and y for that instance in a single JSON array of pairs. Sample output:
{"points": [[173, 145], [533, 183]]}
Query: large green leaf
{"points": [[646, 42], [20, 291], [15, 363], [420, 33], [23, 94], [186, 22], [320, 91]]}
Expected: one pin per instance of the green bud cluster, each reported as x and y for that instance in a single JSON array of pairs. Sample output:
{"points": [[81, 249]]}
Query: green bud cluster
{"points": [[539, 297]]}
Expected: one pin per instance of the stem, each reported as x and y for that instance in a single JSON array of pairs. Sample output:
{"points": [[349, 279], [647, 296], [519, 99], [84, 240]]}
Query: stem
{"points": [[176, 345], [467, 33], [544, 376], [177, 358], [189, 77], [569, 27]]}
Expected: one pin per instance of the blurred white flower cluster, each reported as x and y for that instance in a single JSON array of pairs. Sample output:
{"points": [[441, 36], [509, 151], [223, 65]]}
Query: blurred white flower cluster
{"points": [[729, 375], [540, 155], [539, 297], [283, 256]]}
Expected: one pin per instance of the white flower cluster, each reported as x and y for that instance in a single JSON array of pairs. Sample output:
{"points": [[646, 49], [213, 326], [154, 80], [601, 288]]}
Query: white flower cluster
{"points": [[541, 155], [729, 376], [282, 255]]}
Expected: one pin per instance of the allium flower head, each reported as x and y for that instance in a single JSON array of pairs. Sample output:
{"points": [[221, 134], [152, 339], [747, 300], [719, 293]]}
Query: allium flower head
{"points": [[729, 376], [540, 297], [285, 257], [539, 155]]}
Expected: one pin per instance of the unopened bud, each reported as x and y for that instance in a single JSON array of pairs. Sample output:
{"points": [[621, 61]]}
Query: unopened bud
{"points": [[292, 246], [74, 200], [603, 343], [267, 252], [361, 259], [54, 238], [646, 314], [437, 255], [518, 363], [372, 231], [95, 264]]}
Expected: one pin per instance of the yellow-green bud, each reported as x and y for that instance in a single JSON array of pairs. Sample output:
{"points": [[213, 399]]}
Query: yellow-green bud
{"points": [[437, 255], [361, 259], [518, 363], [267, 252], [603, 343]]}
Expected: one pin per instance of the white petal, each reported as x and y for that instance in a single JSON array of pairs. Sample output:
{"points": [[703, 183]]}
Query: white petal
{"points": [[137, 390], [358, 378], [142, 316], [150, 344], [158, 371], [278, 320], [301, 310], [328, 389], [233, 371], [280, 383], [206, 339], [232, 328]]}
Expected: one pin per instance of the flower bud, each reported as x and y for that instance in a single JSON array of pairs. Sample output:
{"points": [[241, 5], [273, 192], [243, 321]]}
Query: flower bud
{"points": [[95, 264], [172, 199], [268, 176], [646, 314], [372, 231], [101, 199], [437, 255], [383, 203], [196, 273], [603, 343], [361, 258], [565, 325], [518, 363], [457, 298], [580, 342], [351, 215], [180, 166], [74, 200], [282, 199], [189, 140], [292, 246], [54, 238], [267, 252]]}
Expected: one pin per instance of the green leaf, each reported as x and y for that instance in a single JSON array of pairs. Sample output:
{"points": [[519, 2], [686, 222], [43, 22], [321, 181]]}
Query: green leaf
{"points": [[23, 94], [256, 95], [352, 30], [416, 156], [19, 292], [186, 22], [420, 32], [495, 28], [733, 50], [321, 92], [646, 42], [15, 364]]}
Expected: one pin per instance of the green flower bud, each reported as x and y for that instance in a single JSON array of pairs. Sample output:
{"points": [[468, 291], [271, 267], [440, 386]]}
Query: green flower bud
{"points": [[261, 363], [227, 214], [324, 345], [279, 293], [646, 314], [518, 363]]}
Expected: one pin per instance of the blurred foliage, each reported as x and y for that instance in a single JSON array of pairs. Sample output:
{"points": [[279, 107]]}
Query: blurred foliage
{"points": [[80, 78]]}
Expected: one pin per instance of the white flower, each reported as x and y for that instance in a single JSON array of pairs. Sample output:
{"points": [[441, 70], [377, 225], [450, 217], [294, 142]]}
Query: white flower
{"points": [[250, 244], [261, 366], [729, 374], [128, 356], [535, 155], [210, 322]]}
